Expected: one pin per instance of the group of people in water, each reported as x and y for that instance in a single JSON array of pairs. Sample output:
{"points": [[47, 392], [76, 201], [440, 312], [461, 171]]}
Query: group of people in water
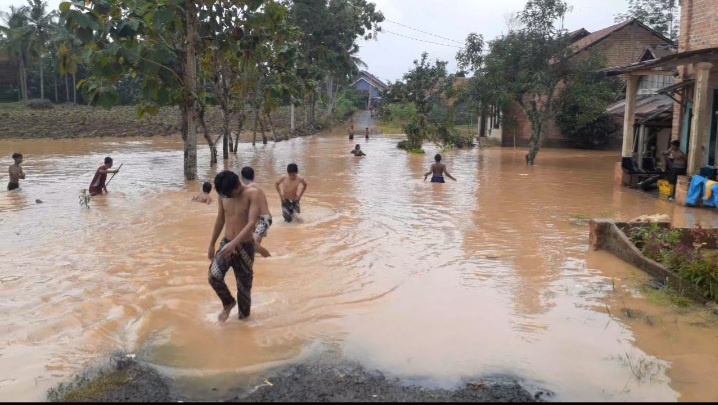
{"points": [[243, 213]]}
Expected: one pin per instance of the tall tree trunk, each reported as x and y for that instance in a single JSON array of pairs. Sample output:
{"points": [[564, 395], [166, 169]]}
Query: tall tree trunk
{"points": [[535, 141], [261, 126], [330, 95], [241, 119], [54, 79], [67, 88], [212, 144], [254, 133], [291, 118], [184, 128], [271, 125], [190, 77], [225, 135], [74, 88], [42, 79], [23, 79]]}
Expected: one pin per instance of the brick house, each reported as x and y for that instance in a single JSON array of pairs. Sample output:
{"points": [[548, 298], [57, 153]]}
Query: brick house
{"points": [[695, 112], [620, 44]]}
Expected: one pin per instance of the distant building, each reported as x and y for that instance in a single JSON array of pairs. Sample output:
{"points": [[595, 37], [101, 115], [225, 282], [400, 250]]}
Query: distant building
{"points": [[619, 44], [366, 82]]}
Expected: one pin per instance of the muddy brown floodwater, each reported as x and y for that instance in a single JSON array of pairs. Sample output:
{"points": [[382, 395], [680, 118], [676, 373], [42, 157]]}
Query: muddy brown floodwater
{"points": [[491, 275]]}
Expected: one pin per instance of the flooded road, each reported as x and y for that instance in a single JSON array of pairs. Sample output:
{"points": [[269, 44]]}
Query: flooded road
{"points": [[490, 275]]}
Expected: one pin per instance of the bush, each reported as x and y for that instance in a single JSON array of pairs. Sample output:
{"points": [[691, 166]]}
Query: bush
{"points": [[400, 113], [690, 260], [40, 104]]}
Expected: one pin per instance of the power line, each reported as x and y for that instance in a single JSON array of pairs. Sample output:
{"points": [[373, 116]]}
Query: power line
{"points": [[424, 32], [421, 40]]}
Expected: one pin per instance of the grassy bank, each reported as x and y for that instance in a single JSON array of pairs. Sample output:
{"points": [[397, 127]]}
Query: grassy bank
{"points": [[18, 121]]}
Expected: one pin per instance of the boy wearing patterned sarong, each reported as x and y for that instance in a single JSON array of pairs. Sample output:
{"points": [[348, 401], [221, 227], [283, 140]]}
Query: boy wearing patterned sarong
{"points": [[237, 214], [265, 217], [289, 193]]}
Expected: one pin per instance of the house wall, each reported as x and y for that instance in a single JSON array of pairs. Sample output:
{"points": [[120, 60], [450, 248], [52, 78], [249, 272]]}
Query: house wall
{"points": [[699, 25], [626, 46], [699, 30], [620, 48], [363, 85]]}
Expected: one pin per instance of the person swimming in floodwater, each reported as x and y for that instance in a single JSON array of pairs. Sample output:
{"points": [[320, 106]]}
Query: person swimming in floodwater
{"points": [[357, 151], [437, 171], [289, 194], [98, 182], [16, 173], [204, 197]]}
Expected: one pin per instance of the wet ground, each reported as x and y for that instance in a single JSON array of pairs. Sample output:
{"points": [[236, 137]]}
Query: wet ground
{"points": [[433, 284]]}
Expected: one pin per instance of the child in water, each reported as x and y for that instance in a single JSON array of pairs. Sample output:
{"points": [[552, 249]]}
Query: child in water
{"points": [[204, 197], [16, 173], [437, 171], [289, 193], [357, 151]]}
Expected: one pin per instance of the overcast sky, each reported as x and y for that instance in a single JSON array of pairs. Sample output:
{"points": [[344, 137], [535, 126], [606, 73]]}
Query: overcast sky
{"points": [[392, 55]]}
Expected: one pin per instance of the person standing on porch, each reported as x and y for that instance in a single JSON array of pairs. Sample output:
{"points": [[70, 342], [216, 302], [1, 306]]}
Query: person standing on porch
{"points": [[678, 162]]}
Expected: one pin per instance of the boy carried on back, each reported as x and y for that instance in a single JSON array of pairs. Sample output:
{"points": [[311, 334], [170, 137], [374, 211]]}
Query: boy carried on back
{"points": [[289, 193]]}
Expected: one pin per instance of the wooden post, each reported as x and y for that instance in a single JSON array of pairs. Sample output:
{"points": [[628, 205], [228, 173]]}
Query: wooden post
{"points": [[698, 145], [641, 144], [629, 117]]}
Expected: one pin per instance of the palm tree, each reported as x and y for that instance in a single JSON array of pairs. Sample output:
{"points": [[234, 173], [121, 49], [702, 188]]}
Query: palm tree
{"points": [[40, 22], [65, 50], [16, 41]]}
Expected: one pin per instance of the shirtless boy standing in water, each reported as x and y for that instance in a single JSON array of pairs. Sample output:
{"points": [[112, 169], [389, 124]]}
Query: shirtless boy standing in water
{"points": [[289, 194], [238, 213], [265, 217], [15, 172], [437, 171]]}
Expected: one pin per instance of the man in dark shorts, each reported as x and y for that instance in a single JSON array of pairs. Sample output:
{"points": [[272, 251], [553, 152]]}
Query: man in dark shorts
{"points": [[238, 213], [16, 173], [289, 192], [437, 171]]}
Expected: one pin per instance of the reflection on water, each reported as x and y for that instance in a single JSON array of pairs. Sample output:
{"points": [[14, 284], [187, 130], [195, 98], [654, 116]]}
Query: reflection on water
{"points": [[434, 282]]}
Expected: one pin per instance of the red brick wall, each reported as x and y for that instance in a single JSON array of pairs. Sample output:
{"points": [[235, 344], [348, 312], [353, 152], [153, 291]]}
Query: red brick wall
{"points": [[699, 30], [620, 48], [699, 24], [626, 46]]}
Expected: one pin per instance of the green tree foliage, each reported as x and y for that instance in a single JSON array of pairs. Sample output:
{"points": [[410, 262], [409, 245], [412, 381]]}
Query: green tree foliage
{"points": [[661, 15], [527, 67], [424, 82], [582, 106], [330, 30], [17, 42], [167, 45]]}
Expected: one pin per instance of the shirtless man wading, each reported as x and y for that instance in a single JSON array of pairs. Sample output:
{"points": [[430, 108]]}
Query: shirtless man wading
{"points": [[289, 193], [265, 217], [238, 213], [437, 171]]}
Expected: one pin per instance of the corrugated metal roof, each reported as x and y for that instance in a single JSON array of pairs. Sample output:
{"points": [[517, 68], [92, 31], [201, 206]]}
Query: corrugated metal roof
{"points": [[645, 105]]}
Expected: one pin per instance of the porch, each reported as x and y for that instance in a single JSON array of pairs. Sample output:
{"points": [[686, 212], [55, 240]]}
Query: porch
{"points": [[694, 112]]}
